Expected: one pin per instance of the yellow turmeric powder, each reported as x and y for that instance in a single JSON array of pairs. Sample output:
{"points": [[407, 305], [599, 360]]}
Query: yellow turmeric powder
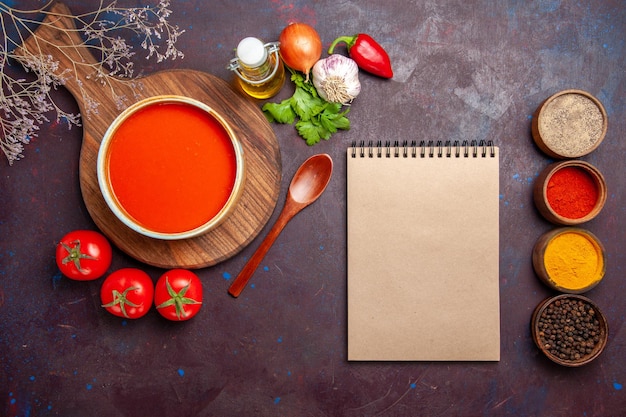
{"points": [[573, 260]]}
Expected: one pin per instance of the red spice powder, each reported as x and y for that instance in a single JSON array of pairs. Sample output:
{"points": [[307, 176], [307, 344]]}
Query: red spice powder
{"points": [[572, 192]]}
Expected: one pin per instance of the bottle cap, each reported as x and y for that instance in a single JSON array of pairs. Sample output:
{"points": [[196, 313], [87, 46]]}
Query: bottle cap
{"points": [[251, 52]]}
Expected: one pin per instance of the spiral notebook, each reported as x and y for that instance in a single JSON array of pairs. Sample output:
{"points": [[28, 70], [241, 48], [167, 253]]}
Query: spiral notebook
{"points": [[423, 250]]}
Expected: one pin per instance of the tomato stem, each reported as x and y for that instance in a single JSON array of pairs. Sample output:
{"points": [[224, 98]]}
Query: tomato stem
{"points": [[121, 299], [178, 299], [75, 255]]}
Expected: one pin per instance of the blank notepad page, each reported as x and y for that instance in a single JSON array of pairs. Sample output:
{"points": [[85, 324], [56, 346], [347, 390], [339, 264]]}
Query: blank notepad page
{"points": [[423, 250]]}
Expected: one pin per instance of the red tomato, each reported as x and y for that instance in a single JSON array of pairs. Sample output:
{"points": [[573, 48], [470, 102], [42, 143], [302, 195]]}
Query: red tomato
{"points": [[128, 293], [83, 255], [178, 295]]}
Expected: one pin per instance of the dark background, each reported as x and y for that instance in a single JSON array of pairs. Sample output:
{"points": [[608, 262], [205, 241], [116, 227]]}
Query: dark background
{"points": [[463, 70]]}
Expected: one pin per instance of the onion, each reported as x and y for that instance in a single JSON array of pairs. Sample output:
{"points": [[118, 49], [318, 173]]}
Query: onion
{"points": [[300, 47]]}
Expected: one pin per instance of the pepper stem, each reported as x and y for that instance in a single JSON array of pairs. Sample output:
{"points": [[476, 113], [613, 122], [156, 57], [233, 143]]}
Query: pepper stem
{"points": [[348, 40]]}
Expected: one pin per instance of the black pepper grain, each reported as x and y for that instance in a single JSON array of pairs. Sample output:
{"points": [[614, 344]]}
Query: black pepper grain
{"points": [[568, 329]]}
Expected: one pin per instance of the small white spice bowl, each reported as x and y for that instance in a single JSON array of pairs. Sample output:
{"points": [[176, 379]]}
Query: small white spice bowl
{"points": [[569, 124]]}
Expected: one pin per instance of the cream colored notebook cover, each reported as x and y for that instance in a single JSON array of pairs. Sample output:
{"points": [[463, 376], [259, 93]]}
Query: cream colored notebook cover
{"points": [[423, 252]]}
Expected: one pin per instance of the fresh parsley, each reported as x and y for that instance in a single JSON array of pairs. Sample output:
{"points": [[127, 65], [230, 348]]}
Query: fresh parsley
{"points": [[317, 119]]}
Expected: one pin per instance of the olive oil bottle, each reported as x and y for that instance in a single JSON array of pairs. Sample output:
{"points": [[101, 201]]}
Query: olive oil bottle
{"points": [[259, 69]]}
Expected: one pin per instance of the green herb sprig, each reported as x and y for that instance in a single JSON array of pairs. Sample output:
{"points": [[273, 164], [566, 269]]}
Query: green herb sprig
{"points": [[317, 118]]}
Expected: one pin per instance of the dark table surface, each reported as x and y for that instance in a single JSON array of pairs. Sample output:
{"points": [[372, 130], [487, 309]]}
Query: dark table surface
{"points": [[463, 70]]}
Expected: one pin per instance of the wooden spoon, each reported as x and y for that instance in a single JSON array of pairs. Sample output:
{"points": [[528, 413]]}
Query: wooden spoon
{"points": [[308, 183]]}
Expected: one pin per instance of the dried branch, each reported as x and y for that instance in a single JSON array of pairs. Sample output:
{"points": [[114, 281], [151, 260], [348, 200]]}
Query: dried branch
{"points": [[26, 103]]}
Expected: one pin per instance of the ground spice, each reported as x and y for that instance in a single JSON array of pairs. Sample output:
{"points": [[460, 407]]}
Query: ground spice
{"points": [[569, 329], [573, 261], [571, 124], [572, 192]]}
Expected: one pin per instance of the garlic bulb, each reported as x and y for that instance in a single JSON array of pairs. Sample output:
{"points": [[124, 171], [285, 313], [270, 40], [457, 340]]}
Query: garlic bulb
{"points": [[336, 79]]}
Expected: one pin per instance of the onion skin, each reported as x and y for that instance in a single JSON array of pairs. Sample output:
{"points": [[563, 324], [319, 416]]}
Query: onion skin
{"points": [[300, 47]]}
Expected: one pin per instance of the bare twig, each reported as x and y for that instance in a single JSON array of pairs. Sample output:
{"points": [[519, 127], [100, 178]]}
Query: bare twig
{"points": [[26, 103]]}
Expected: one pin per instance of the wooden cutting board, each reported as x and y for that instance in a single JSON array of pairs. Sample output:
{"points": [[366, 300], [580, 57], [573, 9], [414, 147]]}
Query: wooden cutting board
{"points": [[57, 37]]}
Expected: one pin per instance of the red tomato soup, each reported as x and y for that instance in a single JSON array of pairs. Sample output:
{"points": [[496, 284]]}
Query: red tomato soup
{"points": [[172, 167]]}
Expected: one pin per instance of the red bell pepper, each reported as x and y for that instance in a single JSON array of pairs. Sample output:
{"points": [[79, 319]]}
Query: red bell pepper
{"points": [[367, 53]]}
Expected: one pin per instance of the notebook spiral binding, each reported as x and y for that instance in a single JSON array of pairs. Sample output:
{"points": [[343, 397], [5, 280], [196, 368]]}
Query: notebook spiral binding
{"points": [[424, 149]]}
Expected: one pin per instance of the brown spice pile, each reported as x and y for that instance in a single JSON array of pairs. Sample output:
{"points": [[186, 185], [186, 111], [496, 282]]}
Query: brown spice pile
{"points": [[571, 125]]}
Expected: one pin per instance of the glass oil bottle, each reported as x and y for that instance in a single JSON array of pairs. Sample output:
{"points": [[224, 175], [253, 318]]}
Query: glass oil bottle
{"points": [[259, 69]]}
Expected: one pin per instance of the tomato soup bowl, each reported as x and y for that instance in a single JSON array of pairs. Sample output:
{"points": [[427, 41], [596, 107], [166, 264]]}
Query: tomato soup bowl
{"points": [[170, 167]]}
